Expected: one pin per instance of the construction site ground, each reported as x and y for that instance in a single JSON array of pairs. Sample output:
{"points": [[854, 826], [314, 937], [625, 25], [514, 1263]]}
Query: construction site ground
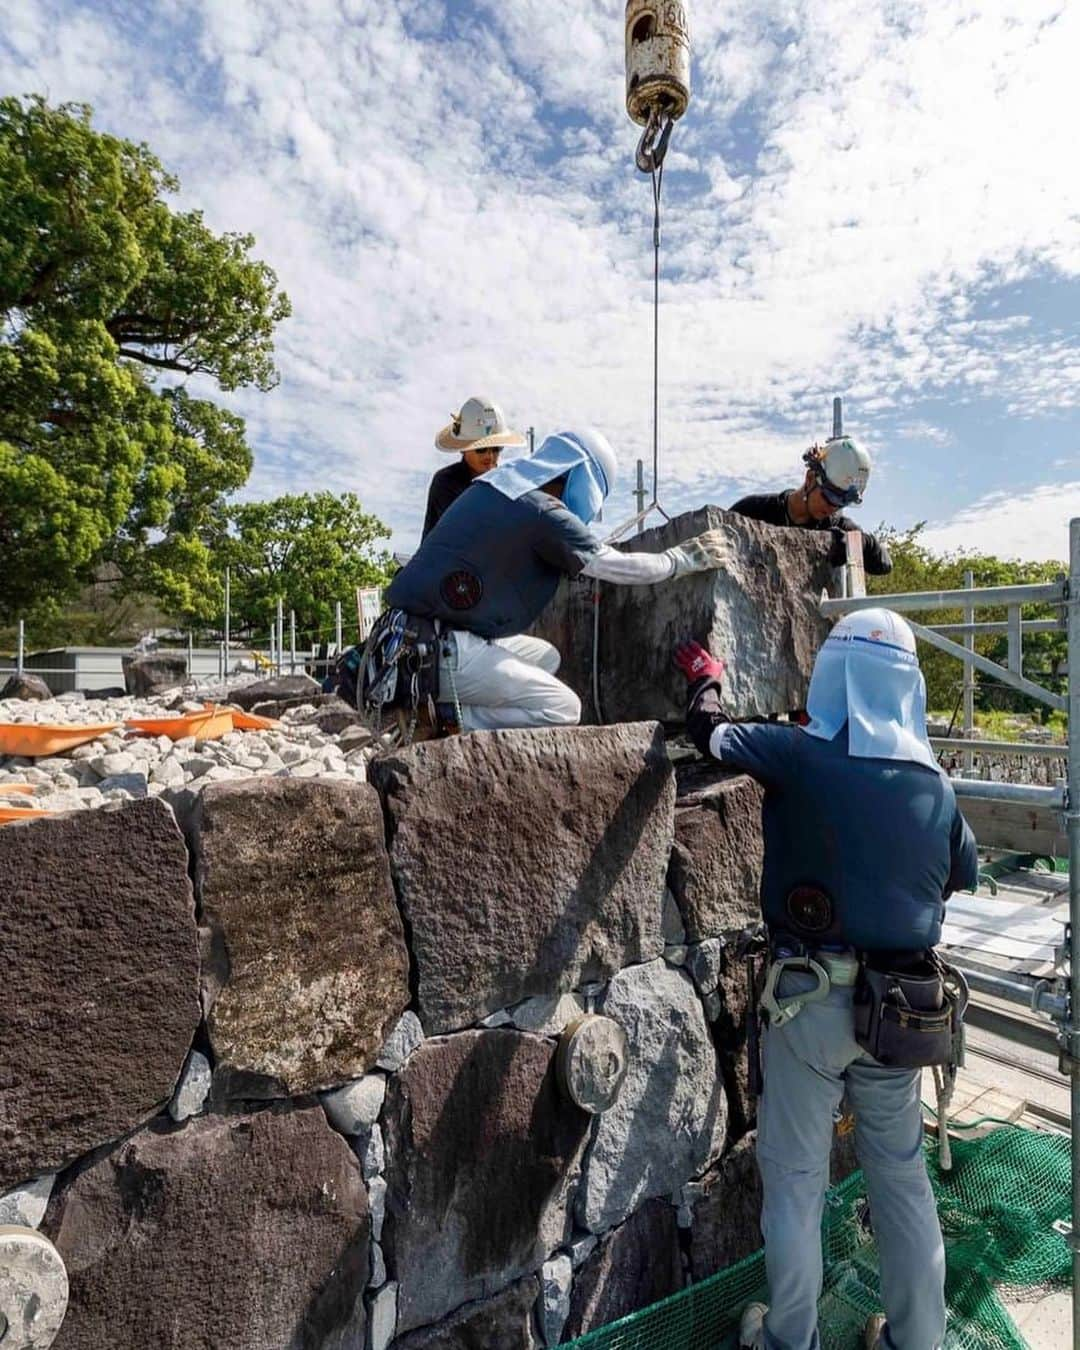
{"points": [[1011, 1068]]}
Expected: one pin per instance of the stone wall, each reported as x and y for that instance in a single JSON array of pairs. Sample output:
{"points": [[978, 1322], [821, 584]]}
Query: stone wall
{"points": [[289, 1077]]}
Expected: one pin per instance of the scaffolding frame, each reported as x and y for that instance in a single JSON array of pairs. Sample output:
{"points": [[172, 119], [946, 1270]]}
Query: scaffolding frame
{"points": [[1059, 998]]}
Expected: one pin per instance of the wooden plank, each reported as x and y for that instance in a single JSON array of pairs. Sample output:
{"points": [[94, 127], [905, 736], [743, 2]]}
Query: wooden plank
{"points": [[1016, 826]]}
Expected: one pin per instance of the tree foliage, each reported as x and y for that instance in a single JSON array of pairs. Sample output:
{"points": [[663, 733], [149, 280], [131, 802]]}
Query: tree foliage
{"points": [[105, 292], [917, 568], [308, 550]]}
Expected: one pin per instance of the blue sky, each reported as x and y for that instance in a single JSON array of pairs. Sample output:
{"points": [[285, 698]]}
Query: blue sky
{"points": [[865, 198]]}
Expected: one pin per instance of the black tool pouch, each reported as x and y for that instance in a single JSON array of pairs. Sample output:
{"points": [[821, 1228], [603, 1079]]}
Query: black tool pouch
{"points": [[908, 1019]]}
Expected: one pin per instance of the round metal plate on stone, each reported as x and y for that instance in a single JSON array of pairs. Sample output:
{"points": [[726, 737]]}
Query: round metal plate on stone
{"points": [[592, 1061], [33, 1289]]}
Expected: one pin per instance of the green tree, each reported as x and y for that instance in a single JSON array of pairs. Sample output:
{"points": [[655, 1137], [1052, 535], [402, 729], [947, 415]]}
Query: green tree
{"points": [[308, 550], [917, 568], [105, 292]]}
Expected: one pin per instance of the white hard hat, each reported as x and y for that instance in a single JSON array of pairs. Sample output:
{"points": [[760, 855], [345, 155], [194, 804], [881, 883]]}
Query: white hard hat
{"points": [[600, 450], [478, 425], [875, 626], [842, 467]]}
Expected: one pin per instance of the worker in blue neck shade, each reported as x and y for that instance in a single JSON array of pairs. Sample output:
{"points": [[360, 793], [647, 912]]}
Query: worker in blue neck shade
{"points": [[863, 843], [493, 562]]}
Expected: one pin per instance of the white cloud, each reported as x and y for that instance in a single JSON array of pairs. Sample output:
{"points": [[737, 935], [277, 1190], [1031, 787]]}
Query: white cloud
{"points": [[1032, 525], [448, 194]]}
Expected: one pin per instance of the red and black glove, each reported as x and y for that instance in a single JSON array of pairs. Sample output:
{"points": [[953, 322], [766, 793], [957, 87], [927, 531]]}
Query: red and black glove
{"points": [[704, 711], [697, 663]]}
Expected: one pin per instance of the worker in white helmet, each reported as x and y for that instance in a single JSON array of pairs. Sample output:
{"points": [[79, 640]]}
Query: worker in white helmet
{"points": [[493, 562], [478, 434], [864, 842], [836, 476]]}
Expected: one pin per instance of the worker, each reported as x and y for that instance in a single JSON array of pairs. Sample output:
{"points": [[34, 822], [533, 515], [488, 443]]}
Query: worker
{"points": [[863, 842], [494, 561], [479, 432], [836, 476]]}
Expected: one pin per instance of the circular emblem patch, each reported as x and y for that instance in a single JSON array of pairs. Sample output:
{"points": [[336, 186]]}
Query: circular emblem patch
{"points": [[461, 590], [809, 909]]}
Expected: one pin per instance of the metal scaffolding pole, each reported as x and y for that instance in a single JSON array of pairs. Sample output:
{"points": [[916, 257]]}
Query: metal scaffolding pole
{"points": [[969, 675], [228, 617], [20, 650], [337, 627], [1042, 593], [280, 634]]}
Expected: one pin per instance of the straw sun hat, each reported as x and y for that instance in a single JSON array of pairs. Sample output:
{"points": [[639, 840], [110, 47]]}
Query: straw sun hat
{"points": [[479, 424]]}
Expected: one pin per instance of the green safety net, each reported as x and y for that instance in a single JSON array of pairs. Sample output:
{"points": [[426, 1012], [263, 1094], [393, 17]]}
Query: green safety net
{"points": [[997, 1206]]}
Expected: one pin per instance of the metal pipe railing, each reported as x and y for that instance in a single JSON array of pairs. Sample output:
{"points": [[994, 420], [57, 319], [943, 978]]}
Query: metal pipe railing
{"points": [[1045, 593], [1000, 626], [1072, 821], [1038, 997], [1027, 794]]}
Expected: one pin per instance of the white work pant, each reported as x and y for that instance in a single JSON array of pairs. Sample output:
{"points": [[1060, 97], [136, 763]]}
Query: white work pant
{"points": [[809, 1063], [505, 683]]}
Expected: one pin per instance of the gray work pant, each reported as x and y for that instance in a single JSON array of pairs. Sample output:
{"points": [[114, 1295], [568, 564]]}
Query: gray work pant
{"points": [[809, 1063], [506, 683]]}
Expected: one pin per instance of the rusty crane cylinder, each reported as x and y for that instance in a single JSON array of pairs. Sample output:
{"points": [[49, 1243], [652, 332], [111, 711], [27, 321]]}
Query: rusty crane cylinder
{"points": [[657, 72]]}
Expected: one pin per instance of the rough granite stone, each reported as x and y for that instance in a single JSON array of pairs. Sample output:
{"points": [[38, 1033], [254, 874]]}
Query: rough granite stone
{"points": [[245, 1231], [149, 674], [504, 1322], [725, 1010], [382, 1317], [670, 1117], [277, 688], [402, 1041], [354, 1108], [556, 1277], [193, 1089], [278, 707], [305, 969], [99, 1000], [715, 869], [482, 1152], [727, 1218], [527, 862], [28, 687], [24, 1207], [759, 613], [634, 1265]]}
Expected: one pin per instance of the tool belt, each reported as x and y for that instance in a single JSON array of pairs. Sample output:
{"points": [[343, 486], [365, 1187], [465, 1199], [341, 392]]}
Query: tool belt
{"points": [[400, 664], [912, 1017], [908, 1013]]}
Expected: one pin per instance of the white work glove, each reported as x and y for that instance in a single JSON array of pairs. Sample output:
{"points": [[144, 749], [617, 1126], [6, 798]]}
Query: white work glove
{"points": [[704, 553]]}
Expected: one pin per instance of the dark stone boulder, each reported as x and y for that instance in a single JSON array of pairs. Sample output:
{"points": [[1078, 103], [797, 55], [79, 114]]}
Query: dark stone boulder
{"points": [[99, 1000], [276, 687], [153, 672], [483, 1150], [278, 707], [305, 969], [715, 869], [504, 1322], [27, 686], [243, 1231], [110, 691], [527, 862], [760, 613], [727, 1218], [634, 1265]]}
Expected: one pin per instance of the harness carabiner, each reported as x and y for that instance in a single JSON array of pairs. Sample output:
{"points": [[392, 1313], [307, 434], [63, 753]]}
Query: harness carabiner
{"points": [[781, 1010], [650, 151]]}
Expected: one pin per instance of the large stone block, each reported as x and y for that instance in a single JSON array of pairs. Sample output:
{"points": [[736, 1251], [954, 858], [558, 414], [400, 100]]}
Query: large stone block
{"points": [[504, 1322], [148, 674], [99, 999], [633, 1266], [527, 862], [760, 615], [29, 687], [670, 1118], [245, 1231], [279, 688], [715, 871], [306, 969], [483, 1149], [727, 1218]]}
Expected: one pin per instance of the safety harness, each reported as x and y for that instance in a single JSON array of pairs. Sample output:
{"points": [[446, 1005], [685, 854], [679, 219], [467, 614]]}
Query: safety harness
{"points": [[399, 673]]}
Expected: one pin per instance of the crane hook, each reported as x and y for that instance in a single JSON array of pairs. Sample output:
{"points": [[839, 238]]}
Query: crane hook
{"points": [[651, 150]]}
